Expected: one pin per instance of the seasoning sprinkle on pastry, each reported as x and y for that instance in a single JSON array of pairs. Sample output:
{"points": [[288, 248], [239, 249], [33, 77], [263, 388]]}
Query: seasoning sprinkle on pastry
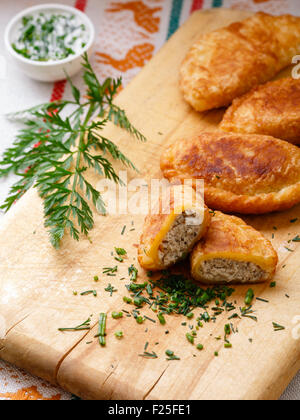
{"points": [[243, 173], [272, 109], [228, 62], [169, 236], [233, 252]]}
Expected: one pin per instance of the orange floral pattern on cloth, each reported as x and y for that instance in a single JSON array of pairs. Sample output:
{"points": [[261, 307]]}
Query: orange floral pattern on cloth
{"points": [[30, 393], [133, 28], [16, 384], [143, 14], [135, 57]]}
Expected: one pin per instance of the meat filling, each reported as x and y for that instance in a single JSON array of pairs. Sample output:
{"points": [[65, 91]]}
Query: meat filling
{"points": [[221, 270], [181, 238]]}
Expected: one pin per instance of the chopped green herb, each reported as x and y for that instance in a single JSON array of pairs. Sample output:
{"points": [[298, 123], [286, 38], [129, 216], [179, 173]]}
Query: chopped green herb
{"points": [[89, 292], [119, 334], [135, 287], [110, 271], [278, 327], [133, 272], [200, 346], [149, 319], [246, 313], [227, 329], [127, 299], [117, 315], [86, 325], [249, 297], [273, 284], [190, 338], [149, 289], [121, 251], [288, 249], [161, 318], [110, 289], [138, 301], [102, 329], [149, 355], [171, 355], [262, 300], [139, 319]]}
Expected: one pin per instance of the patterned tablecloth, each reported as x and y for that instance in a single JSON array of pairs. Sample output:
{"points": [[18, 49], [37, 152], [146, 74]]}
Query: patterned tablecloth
{"points": [[129, 33]]}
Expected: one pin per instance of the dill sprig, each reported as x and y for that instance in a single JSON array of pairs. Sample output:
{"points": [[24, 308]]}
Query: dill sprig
{"points": [[60, 141]]}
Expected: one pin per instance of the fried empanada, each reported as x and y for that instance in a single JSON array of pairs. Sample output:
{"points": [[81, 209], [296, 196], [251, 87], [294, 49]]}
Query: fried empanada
{"points": [[170, 235], [228, 62], [233, 252], [272, 109], [243, 173]]}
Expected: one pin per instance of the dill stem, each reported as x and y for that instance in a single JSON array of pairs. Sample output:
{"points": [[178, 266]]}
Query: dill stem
{"points": [[78, 159]]}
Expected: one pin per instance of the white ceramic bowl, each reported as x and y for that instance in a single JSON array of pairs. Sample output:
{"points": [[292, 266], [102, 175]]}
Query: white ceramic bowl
{"points": [[53, 70]]}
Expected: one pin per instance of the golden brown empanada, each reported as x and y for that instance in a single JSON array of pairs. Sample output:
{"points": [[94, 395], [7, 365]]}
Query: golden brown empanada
{"points": [[233, 252], [168, 238], [272, 109], [228, 62], [243, 173]]}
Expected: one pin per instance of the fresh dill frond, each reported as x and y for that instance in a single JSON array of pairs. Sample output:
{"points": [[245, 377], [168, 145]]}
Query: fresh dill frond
{"points": [[60, 141]]}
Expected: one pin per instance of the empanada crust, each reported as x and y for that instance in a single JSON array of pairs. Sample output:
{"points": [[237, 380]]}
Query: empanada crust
{"points": [[228, 62], [243, 173], [231, 238], [272, 109]]}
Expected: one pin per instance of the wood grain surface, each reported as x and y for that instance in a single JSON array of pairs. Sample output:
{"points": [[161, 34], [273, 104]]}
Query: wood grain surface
{"points": [[37, 282]]}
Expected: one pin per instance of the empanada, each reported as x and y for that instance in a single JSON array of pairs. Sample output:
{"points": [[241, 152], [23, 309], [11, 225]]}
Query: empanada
{"points": [[170, 235], [243, 173], [233, 252], [272, 109], [228, 62]]}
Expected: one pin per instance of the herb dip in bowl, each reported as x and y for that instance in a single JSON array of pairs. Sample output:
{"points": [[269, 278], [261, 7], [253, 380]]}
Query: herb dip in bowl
{"points": [[48, 40]]}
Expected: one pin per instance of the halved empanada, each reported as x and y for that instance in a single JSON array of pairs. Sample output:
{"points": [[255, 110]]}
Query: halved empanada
{"points": [[228, 62], [272, 109], [170, 235], [243, 173], [233, 252]]}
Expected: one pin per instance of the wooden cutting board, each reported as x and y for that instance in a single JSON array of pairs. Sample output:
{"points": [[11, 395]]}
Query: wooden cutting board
{"points": [[37, 282]]}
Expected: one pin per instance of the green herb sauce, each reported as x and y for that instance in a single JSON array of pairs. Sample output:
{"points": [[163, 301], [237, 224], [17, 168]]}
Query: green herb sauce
{"points": [[50, 37]]}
